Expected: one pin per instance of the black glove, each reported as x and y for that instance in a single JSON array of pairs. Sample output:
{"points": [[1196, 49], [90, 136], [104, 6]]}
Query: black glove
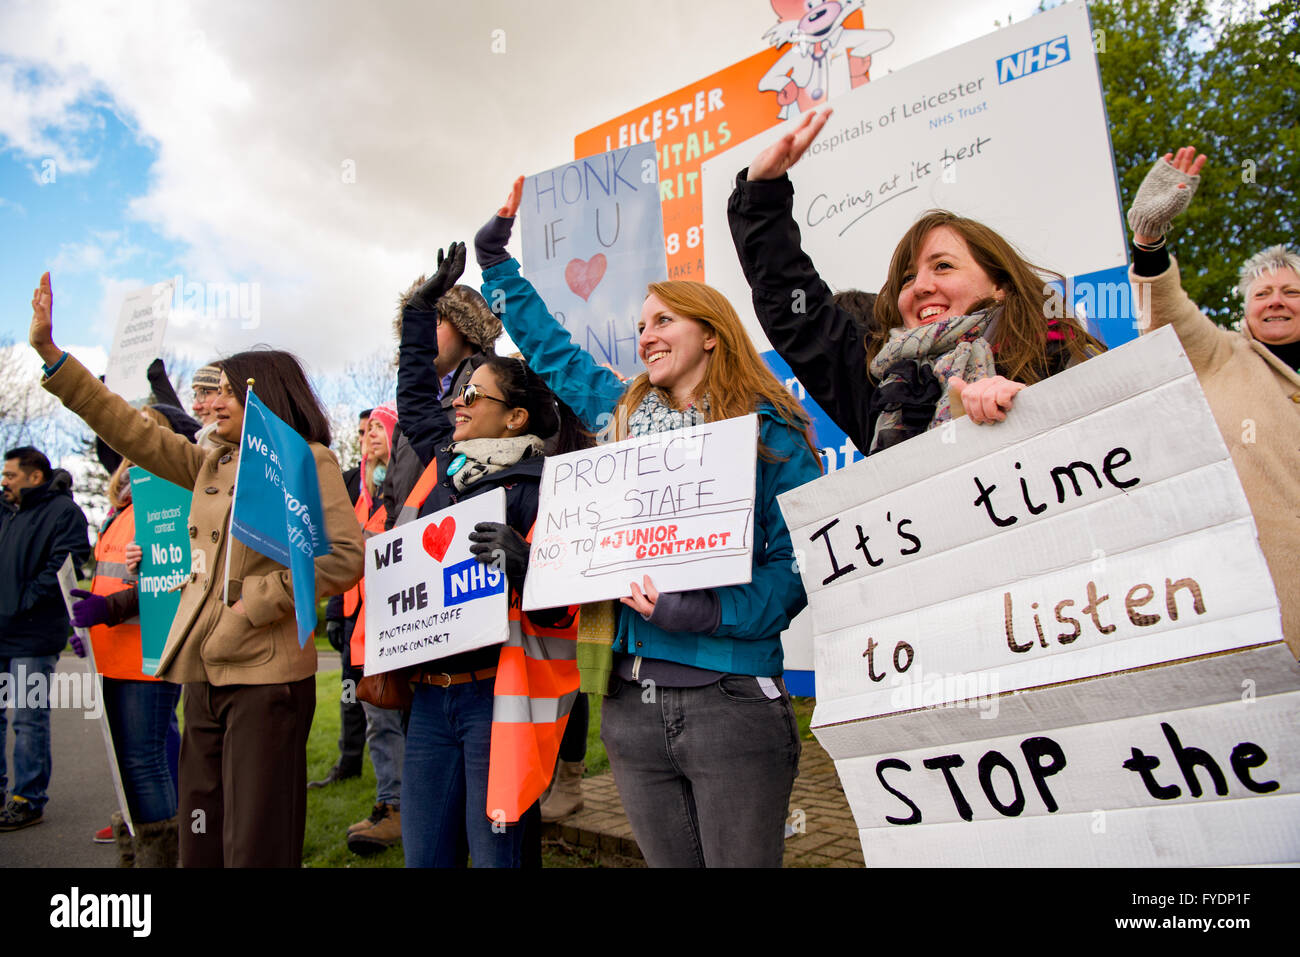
{"points": [[334, 635], [450, 268], [500, 545], [490, 241]]}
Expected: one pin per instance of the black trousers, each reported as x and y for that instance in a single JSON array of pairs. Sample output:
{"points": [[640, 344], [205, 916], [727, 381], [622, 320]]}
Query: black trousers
{"points": [[243, 774]]}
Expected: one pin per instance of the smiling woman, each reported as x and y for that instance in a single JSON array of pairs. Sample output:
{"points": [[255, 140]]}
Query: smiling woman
{"points": [[249, 686], [961, 312], [713, 656], [1250, 378]]}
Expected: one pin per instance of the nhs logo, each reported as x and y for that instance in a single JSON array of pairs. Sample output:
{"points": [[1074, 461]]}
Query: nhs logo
{"points": [[1051, 53], [469, 580]]}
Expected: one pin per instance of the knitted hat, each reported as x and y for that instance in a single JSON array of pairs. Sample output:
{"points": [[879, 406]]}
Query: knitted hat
{"points": [[465, 309], [206, 377], [387, 415]]}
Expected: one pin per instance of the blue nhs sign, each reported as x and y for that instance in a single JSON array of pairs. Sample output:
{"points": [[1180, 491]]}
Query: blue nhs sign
{"points": [[1051, 53]]}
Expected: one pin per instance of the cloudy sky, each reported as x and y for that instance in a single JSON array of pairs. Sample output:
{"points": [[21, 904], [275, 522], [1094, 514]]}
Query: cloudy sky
{"points": [[320, 152]]}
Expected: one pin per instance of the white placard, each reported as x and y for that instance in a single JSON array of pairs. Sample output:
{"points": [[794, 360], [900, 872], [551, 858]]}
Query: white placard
{"points": [[677, 506], [427, 596], [1000, 569], [141, 325], [966, 130], [67, 582]]}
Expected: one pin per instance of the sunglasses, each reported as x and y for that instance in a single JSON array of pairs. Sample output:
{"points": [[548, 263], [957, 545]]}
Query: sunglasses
{"points": [[470, 393]]}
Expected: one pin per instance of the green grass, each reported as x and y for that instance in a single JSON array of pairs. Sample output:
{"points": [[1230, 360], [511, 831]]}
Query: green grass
{"points": [[330, 810]]}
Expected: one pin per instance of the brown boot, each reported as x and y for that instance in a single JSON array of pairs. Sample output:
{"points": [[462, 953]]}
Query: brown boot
{"points": [[384, 831], [156, 844], [566, 792], [377, 814], [125, 846]]}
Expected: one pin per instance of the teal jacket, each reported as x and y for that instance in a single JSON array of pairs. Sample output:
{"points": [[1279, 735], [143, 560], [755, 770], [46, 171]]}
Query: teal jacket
{"points": [[748, 639]]}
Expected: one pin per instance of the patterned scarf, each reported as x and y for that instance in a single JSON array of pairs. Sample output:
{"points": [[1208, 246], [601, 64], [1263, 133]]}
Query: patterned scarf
{"points": [[913, 370], [655, 415], [485, 456]]}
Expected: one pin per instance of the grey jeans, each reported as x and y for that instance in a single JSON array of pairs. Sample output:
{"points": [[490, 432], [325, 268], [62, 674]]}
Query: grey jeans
{"points": [[705, 774], [387, 751]]}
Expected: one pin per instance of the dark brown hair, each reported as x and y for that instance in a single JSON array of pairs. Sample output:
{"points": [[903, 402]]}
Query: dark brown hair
{"points": [[1020, 338], [522, 388], [282, 386]]}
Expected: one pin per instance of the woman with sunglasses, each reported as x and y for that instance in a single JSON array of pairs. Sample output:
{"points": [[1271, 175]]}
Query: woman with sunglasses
{"points": [[704, 766], [503, 415]]}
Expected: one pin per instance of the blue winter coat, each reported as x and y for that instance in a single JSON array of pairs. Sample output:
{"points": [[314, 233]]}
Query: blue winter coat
{"points": [[748, 640]]}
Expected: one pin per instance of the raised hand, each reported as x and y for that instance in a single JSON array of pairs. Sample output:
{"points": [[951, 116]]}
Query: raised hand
{"points": [[785, 152], [451, 266], [41, 334], [490, 241], [1166, 191]]}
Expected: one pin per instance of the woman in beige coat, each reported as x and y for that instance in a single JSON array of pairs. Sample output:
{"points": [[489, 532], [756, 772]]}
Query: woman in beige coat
{"points": [[1249, 377], [250, 689]]}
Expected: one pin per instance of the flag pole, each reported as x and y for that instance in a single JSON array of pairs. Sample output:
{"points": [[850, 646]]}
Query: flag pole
{"points": [[234, 492]]}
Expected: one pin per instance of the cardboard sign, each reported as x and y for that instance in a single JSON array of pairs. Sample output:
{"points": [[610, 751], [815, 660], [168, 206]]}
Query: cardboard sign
{"points": [[160, 513], [141, 325], [427, 596], [592, 233], [677, 506], [67, 582], [1044, 571], [961, 131]]}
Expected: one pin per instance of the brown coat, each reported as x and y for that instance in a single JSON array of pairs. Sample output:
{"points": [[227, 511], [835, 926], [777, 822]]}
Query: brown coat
{"points": [[1255, 399], [209, 641]]}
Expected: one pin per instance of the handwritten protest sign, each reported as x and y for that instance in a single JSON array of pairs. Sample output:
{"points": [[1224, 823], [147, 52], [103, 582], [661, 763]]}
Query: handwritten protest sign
{"points": [[427, 596], [141, 325], [678, 506], [1045, 572], [160, 531], [592, 233], [963, 130], [68, 581]]}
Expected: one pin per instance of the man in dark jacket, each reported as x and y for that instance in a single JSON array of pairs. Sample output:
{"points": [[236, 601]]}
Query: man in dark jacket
{"points": [[40, 526]]}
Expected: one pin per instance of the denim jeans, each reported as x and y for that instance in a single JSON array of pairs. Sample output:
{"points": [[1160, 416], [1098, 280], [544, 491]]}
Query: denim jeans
{"points": [[444, 782], [387, 752], [705, 773], [28, 678], [140, 715]]}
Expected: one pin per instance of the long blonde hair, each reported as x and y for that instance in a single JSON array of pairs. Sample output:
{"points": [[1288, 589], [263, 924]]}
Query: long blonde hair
{"points": [[735, 379]]}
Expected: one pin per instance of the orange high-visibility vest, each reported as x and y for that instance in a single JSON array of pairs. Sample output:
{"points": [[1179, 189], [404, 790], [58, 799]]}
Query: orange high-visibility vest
{"points": [[354, 599], [536, 685], [117, 648]]}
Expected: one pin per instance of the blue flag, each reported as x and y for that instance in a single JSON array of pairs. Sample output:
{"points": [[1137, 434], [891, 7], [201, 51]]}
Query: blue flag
{"points": [[277, 509]]}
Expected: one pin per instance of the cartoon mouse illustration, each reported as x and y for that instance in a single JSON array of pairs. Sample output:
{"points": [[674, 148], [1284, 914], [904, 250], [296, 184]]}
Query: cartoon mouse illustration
{"points": [[824, 58]]}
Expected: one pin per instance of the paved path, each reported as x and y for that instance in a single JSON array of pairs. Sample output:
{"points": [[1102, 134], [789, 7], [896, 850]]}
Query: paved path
{"points": [[81, 793], [824, 833]]}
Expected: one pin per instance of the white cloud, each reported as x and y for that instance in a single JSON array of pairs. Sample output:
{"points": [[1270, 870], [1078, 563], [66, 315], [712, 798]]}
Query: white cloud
{"points": [[255, 109]]}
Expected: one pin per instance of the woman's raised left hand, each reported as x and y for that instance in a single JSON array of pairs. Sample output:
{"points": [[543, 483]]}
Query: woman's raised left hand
{"points": [[986, 400]]}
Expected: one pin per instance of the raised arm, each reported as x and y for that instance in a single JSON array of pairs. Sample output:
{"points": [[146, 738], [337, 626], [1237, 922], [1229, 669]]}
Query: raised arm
{"points": [[151, 446], [419, 410], [1164, 194], [591, 390]]}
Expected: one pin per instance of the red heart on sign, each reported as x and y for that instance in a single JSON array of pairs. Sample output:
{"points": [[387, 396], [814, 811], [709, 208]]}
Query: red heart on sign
{"points": [[437, 538], [583, 277]]}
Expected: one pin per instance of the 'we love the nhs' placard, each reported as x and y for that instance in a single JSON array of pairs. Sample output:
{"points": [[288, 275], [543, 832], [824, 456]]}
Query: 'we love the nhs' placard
{"points": [[1053, 641], [427, 596]]}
